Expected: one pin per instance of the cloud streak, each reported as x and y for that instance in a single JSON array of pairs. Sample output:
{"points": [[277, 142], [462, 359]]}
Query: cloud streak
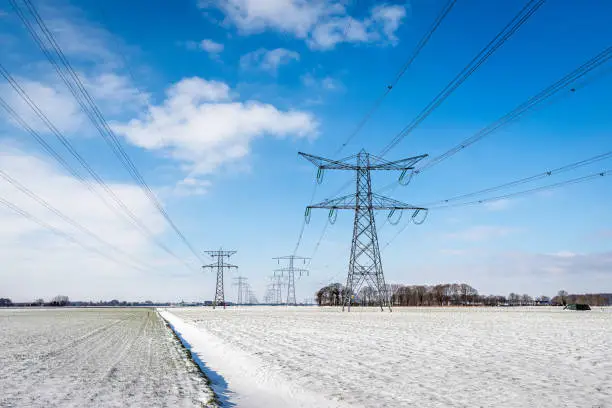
{"points": [[321, 23], [268, 60]]}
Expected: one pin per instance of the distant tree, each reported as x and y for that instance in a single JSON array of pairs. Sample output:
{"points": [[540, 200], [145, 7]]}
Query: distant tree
{"points": [[562, 297], [526, 300], [60, 300], [39, 302], [5, 302]]}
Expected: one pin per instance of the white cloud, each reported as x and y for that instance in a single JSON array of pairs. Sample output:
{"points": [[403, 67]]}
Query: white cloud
{"points": [[560, 263], [192, 186], [481, 233], [268, 60], [454, 252], [114, 94], [204, 127], [211, 46], [499, 205], [55, 102], [326, 83], [563, 254], [83, 41], [322, 23], [38, 263]]}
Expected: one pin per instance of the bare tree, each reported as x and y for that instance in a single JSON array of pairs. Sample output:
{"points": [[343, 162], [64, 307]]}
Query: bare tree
{"points": [[562, 297], [60, 300], [526, 300]]}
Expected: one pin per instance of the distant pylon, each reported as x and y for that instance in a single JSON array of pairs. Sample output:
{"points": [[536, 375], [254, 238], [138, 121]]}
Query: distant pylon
{"points": [[277, 289], [242, 286], [365, 264], [220, 266], [290, 272]]}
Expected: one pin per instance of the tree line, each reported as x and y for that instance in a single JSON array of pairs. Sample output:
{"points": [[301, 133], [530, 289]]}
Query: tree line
{"points": [[61, 301], [447, 294]]}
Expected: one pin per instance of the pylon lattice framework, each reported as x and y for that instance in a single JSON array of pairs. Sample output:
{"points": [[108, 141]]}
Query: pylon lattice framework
{"points": [[242, 284], [365, 264], [220, 266], [290, 272]]}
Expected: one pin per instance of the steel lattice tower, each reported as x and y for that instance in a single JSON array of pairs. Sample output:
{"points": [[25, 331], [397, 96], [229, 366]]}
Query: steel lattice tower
{"points": [[365, 264], [242, 285], [290, 272], [220, 266], [278, 289]]}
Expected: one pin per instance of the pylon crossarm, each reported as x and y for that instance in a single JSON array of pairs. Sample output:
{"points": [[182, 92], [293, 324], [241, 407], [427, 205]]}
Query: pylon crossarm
{"points": [[330, 164], [376, 163], [220, 253], [380, 202], [215, 265], [346, 202]]}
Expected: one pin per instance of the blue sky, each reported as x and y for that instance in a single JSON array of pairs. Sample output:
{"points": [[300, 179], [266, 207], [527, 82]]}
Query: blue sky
{"points": [[213, 100]]}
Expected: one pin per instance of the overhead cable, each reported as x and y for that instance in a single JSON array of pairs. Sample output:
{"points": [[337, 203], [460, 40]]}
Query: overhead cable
{"points": [[530, 191], [131, 218], [390, 86], [77, 88], [539, 176], [562, 84], [15, 208], [67, 219], [517, 21]]}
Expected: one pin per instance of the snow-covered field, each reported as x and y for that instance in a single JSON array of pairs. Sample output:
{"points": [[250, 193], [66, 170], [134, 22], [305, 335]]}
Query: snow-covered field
{"points": [[429, 357], [94, 358]]}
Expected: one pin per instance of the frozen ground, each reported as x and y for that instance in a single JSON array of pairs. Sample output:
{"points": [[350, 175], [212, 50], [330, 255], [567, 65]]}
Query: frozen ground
{"points": [[429, 357], [94, 358]]}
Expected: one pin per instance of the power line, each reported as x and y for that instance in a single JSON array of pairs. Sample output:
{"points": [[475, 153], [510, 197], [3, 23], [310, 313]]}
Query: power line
{"points": [[66, 218], [530, 191], [90, 108], [316, 248], [517, 21], [421, 44], [527, 11], [132, 219], [68, 237], [539, 176], [511, 195], [526, 106]]}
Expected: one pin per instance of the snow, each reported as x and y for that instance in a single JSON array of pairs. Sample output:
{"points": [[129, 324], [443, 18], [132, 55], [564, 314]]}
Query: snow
{"points": [[239, 378], [431, 357], [95, 358]]}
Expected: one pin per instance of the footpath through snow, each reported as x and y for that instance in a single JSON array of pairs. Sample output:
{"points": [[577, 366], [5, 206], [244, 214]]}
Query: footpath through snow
{"points": [[240, 379]]}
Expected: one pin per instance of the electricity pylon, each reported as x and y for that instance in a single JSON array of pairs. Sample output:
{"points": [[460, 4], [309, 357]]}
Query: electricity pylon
{"points": [[290, 272], [277, 288], [220, 266], [241, 282], [365, 262]]}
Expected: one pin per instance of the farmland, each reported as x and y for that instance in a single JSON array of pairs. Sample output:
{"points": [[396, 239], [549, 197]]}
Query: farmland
{"points": [[95, 357], [306, 356], [433, 357]]}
